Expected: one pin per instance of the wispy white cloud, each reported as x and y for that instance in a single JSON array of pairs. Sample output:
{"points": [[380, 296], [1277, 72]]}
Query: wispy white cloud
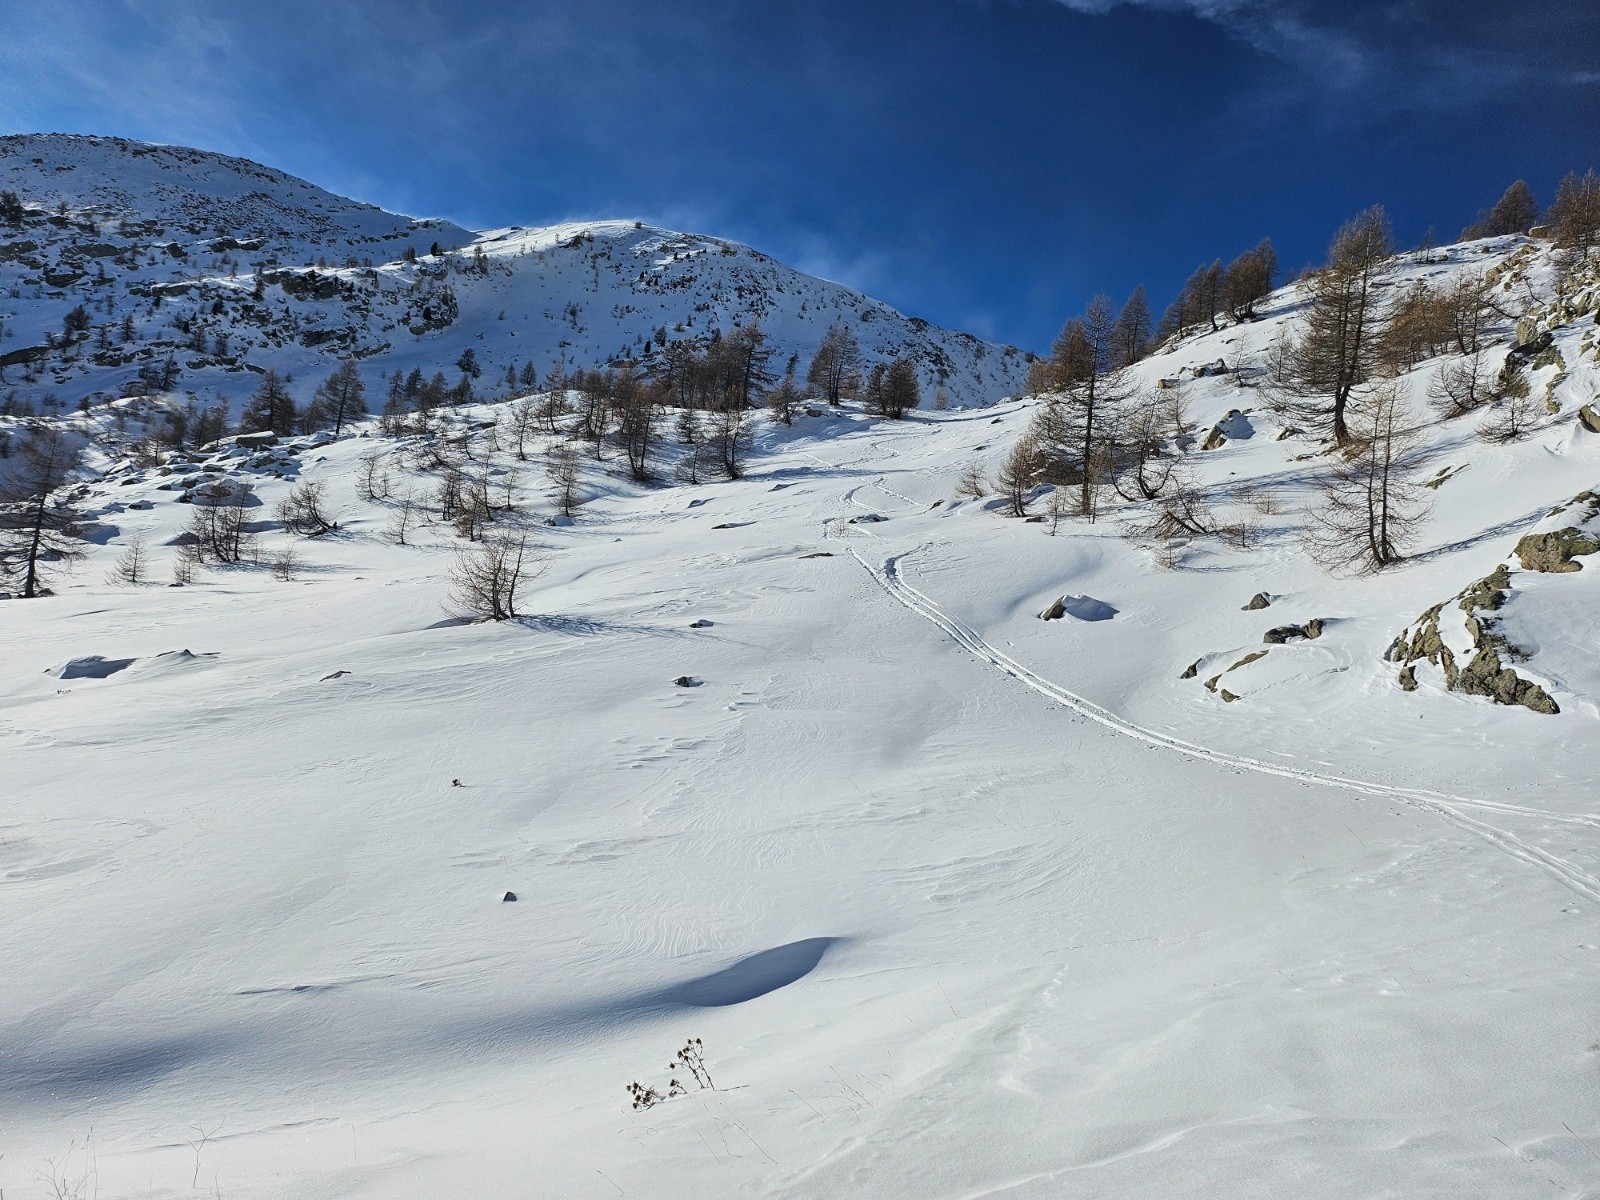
{"points": [[1411, 51]]}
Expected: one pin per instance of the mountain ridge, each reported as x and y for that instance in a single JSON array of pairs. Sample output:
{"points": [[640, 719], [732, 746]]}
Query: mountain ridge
{"points": [[294, 276]]}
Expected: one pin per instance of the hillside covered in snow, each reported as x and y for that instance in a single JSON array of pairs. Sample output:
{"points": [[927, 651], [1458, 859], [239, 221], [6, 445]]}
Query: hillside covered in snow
{"points": [[193, 272], [916, 811]]}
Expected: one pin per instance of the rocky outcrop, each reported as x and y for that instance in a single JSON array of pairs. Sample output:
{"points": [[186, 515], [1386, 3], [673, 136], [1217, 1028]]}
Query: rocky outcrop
{"points": [[1555, 551], [1214, 684], [1589, 418], [1486, 671], [1530, 349], [1258, 601]]}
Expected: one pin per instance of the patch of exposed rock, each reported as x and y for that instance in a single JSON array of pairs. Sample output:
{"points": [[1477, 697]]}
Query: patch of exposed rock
{"points": [[1485, 671], [1554, 550], [1310, 631]]}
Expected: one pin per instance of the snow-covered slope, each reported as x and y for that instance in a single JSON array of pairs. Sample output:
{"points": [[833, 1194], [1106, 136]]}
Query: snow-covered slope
{"points": [[225, 267], [195, 194], [960, 902]]}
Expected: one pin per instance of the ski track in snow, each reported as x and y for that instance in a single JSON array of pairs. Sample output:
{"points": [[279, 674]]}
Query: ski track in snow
{"points": [[889, 577]]}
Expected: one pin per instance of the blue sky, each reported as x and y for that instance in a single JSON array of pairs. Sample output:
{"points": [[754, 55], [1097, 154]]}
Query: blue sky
{"points": [[987, 164]]}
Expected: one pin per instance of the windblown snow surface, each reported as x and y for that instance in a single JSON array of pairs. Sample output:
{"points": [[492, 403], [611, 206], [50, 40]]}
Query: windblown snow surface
{"points": [[961, 902]]}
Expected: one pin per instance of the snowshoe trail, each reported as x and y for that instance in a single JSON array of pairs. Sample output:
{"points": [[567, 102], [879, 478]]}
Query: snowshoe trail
{"points": [[889, 576]]}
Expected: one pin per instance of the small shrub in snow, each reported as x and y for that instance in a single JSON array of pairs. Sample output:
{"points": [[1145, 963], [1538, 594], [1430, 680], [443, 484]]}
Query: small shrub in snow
{"points": [[645, 1096], [285, 563], [691, 1059]]}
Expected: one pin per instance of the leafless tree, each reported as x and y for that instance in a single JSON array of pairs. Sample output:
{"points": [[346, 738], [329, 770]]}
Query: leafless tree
{"points": [[448, 493], [1515, 212], [1426, 321], [1130, 336], [372, 481], [695, 463], [41, 529], [971, 484], [1144, 439], [898, 391], [1057, 506], [552, 407], [509, 491], [1075, 429], [402, 518], [217, 527], [562, 469], [1368, 505], [1340, 348], [474, 514], [638, 404], [133, 564], [524, 421], [835, 371], [1019, 473], [285, 563], [185, 564], [1201, 298], [301, 511], [1249, 280], [596, 408], [783, 399], [342, 397], [487, 578], [1514, 415], [1180, 511], [728, 435], [1464, 384], [1574, 218]]}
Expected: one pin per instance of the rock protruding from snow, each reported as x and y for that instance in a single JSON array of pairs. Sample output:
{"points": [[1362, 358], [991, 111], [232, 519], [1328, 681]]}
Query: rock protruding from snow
{"points": [[1469, 631], [1556, 551], [1281, 634], [1084, 608]]}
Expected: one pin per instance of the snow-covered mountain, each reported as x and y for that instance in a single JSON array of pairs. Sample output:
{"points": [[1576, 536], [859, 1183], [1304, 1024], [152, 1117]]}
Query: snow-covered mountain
{"points": [[222, 267]]}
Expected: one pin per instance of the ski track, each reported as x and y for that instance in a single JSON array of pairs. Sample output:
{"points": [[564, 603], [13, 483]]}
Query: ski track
{"points": [[888, 576]]}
